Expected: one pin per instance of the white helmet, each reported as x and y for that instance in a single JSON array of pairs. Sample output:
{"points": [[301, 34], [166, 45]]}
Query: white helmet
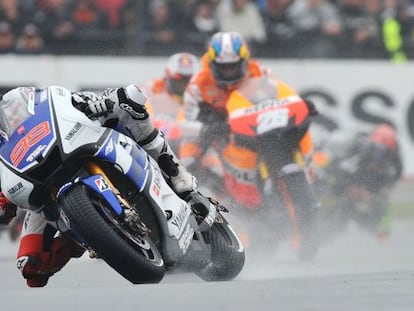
{"points": [[180, 68]]}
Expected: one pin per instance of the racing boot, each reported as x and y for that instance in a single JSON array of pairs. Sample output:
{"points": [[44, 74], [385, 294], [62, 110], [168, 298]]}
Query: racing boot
{"points": [[185, 185], [38, 264], [179, 178]]}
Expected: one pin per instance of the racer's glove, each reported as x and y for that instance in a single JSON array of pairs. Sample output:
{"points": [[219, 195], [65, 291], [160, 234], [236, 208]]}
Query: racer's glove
{"points": [[129, 99], [217, 132], [215, 126], [91, 104], [7, 210], [132, 100], [96, 106]]}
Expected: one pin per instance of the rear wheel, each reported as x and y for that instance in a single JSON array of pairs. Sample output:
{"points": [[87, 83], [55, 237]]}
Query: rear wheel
{"points": [[227, 253], [135, 257]]}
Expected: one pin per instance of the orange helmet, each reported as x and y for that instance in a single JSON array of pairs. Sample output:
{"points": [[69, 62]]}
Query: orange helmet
{"points": [[228, 55], [180, 68], [386, 135]]}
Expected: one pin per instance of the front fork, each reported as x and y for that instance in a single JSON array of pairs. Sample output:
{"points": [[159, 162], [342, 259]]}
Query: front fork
{"points": [[129, 214]]}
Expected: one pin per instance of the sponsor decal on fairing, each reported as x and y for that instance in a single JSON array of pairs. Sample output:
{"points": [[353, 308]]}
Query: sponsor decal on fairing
{"points": [[73, 131], [31, 157], [186, 238], [15, 188], [181, 217], [102, 184]]}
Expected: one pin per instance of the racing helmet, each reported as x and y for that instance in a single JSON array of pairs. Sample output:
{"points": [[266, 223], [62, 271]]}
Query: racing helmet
{"points": [[180, 68], [15, 107], [386, 135], [228, 54]]}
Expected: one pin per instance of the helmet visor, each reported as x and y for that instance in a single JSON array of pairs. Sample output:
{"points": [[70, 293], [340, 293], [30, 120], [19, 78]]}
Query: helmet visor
{"points": [[229, 72], [177, 85]]}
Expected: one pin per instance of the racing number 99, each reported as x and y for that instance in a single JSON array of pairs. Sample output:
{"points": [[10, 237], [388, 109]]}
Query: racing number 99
{"points": [[35, 135]]}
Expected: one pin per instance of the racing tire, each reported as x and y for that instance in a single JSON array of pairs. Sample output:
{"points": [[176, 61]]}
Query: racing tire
{"points": [[137, 262], [227, 254]]}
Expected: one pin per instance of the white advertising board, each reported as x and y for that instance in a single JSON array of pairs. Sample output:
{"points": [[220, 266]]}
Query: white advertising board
{"points": [[351, 94]]}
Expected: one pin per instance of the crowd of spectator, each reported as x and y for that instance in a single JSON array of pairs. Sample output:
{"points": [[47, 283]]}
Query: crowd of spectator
{"points": [[362, 29]]}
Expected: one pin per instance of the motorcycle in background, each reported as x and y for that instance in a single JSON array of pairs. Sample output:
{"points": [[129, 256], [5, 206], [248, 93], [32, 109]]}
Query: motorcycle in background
{"points": [[166, 114], [263, 169], [356, 182]]}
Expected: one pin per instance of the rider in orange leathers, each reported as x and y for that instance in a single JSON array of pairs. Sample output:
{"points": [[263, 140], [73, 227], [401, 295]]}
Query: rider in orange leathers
{"points": [[165, 95], [225, 65]]}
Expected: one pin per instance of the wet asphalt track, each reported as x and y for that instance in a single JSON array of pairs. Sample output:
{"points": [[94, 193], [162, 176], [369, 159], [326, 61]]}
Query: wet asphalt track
{"points": [[352, 272]]}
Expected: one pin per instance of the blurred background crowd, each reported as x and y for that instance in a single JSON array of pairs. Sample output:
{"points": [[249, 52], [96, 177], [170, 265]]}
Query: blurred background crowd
{"points": [[363, 29]]}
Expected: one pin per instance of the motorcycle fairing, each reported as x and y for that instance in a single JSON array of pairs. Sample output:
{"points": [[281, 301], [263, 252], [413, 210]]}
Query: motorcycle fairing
{"points": [[127, 155], [74, 136], [241, 176], [14, 187], [99, 184], [260, 113], [145, 174], [168, 202], [32, 139], [266, 115]]}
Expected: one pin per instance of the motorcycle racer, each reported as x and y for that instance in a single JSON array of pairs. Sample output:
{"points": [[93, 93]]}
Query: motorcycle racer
{"points": [[225, 65], [41, 253], [366, 170], [165, 95], [178, 72]]}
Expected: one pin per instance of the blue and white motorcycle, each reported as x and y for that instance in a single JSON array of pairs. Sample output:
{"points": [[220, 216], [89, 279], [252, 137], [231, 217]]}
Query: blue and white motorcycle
{"points": [[107, 194]]}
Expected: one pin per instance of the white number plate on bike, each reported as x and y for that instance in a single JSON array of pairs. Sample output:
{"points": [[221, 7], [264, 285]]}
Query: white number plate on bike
{"points": [[273, 119]]}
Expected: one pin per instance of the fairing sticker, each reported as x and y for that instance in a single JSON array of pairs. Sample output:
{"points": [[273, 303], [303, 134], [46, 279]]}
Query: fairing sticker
{"points": [[100, 186], [119, 149]]}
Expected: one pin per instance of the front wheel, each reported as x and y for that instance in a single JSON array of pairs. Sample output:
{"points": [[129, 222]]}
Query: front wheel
{"points": [[135, 258], [227, 253], [300, 200]]}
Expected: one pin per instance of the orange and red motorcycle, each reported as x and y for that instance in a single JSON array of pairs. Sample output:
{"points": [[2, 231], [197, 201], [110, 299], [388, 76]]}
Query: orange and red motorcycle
{"points": [[264, 162]]}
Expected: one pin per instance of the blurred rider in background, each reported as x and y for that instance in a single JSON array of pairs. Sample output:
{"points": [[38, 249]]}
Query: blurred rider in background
{"points": [[42, 252], [165, 95], [225, 65], [366, 170]]}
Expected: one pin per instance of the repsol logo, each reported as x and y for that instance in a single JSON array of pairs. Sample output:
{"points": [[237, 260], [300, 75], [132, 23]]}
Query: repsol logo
{"points": [[370, 106], [240, 174]]}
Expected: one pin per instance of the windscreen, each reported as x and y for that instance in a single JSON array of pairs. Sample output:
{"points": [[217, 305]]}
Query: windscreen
{"points": [[259, 89], [14, 108]]}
